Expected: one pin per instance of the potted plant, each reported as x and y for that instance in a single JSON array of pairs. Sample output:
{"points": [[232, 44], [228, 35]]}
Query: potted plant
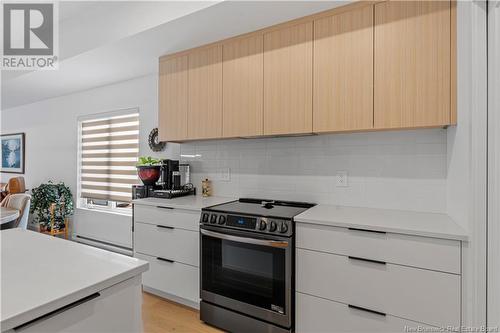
{"points": [[49, 202], [148, 169]]}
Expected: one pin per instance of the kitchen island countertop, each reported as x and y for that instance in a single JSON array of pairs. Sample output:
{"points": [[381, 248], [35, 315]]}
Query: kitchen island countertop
{"points": [[41, 274]]}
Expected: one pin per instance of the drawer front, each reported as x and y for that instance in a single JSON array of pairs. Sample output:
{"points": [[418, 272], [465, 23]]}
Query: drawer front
{"points": [[116, 309], [416, 294], [179, 218], [424, 252], [173, 278], [167, 242], [318, 315]]}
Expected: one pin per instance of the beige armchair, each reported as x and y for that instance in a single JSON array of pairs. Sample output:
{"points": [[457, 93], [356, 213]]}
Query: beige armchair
{"points": [[21, 202]]}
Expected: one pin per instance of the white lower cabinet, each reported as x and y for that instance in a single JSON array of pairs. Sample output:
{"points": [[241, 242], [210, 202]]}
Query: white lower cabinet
{"points": [[115, 309], [169, 240], [169, 243], [417, 294], [422, 252], [319, 315], [178, 218], [173, 278], [356, 290]]}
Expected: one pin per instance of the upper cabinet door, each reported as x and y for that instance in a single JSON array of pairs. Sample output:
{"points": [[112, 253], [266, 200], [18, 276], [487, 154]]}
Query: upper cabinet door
{"points": [[243, 87], [412, 64], [173, 99], [205, 93], [343, 71], [288, 80]]}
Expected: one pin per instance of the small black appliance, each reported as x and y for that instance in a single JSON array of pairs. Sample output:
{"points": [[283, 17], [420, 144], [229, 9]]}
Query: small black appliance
{"points": [[141, 191], [168, 169]]}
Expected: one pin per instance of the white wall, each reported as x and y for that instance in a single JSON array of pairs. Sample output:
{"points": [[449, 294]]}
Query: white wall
{"points": [[396, 170], [51, 140]]}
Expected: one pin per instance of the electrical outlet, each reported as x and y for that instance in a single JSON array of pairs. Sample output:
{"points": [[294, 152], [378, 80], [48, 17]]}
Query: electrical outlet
{"points": [[341, 179], [225, 174]]}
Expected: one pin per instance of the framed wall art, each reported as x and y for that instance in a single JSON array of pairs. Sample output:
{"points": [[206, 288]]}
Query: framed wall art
{"points": [[12, 153]]}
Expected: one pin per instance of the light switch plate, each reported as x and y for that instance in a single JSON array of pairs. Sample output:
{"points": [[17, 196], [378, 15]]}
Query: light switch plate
{"points": [[342, 179]]}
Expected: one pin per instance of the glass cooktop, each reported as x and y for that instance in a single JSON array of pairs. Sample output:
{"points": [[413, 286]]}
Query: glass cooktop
{"points": [[263, 207]]}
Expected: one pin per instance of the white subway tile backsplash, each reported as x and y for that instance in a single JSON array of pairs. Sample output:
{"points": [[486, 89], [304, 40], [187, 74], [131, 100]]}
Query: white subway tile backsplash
{"points": [[396, 170]]}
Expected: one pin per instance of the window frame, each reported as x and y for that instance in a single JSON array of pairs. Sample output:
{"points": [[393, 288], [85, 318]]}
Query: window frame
{"points": [[82, 203]]}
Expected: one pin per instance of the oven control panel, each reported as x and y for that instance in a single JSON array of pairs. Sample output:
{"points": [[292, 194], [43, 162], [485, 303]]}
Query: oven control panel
{"points": [[266, 225]]}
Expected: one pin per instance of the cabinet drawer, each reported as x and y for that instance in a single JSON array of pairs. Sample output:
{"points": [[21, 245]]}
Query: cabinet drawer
{"points": [[318, 315], [179, 218], [424, 252], [172, 277], [416, 294], [114, 309], [167, 242]]}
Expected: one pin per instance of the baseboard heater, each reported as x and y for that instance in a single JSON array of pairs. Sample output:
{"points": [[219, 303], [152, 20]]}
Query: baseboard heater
{"points": [[104, 245]]}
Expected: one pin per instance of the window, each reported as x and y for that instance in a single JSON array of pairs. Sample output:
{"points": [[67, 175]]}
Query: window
{"points": [[108, 150]]}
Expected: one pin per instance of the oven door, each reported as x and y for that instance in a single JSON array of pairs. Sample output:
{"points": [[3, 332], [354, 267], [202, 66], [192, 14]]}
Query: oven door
{"points": [[248, 273]]}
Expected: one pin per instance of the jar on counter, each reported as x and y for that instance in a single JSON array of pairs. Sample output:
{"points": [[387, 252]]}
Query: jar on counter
{"points": [[206, 188]]}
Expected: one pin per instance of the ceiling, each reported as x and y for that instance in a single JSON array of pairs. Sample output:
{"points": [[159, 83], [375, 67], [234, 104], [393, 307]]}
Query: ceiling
{"points": [[105, 42]]}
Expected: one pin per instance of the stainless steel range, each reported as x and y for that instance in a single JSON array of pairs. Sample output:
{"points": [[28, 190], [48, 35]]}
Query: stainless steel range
{"points": [[247, 268]]}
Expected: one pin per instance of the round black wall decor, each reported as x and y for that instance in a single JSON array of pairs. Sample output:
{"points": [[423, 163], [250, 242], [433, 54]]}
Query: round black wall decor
{"points": [[153, 141]]}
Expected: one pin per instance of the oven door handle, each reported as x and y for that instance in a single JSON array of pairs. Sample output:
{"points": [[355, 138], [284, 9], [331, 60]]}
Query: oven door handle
{"points": [[255, 241]]}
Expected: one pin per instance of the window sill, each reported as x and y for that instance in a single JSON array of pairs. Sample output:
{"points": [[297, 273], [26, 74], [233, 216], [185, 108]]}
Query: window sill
{"points": [[106, 211]]}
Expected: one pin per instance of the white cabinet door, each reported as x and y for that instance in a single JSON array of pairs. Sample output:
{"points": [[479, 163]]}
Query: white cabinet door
{"points": [[173, 278], [115, 309], [318, 315], [167, 242], [173, 217], [424, 252]]}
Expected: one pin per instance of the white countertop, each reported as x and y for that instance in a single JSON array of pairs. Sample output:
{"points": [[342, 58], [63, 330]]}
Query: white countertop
{"points": [[189, 202], [396, 221], [403, 222], [41, 274]]}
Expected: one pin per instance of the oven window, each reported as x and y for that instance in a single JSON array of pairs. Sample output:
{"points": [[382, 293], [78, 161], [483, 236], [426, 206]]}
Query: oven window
{"points": [[253, 274]]}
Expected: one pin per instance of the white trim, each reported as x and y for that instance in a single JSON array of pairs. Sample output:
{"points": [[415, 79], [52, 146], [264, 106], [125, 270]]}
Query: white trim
{"points": [[478, 160], [494, 163], [116, 211], [171, 297], [467, 157]]}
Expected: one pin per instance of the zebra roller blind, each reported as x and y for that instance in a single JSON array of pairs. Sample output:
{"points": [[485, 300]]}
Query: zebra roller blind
{"points": [[109, 149]]}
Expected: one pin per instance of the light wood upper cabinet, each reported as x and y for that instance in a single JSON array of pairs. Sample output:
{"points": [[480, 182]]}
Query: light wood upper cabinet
{"points": [[288, 80], [243, 87], [412, 64], [343, 71], [205, 93], [364, 66], [173, 99]]}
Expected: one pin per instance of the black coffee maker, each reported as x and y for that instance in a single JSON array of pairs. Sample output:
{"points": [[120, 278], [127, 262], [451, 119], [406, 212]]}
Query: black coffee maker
{"points": [[169, 186], [170, 176]]}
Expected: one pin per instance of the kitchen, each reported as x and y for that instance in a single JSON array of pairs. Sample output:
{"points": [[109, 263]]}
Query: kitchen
{"points": [[361, 167]]}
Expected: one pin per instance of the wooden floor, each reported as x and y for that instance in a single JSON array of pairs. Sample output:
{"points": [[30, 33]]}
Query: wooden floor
{"points": [[159, 315]]}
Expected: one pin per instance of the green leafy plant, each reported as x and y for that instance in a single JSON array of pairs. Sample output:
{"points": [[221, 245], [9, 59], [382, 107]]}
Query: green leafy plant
{"points": [[44, 196], [148, 161]]}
